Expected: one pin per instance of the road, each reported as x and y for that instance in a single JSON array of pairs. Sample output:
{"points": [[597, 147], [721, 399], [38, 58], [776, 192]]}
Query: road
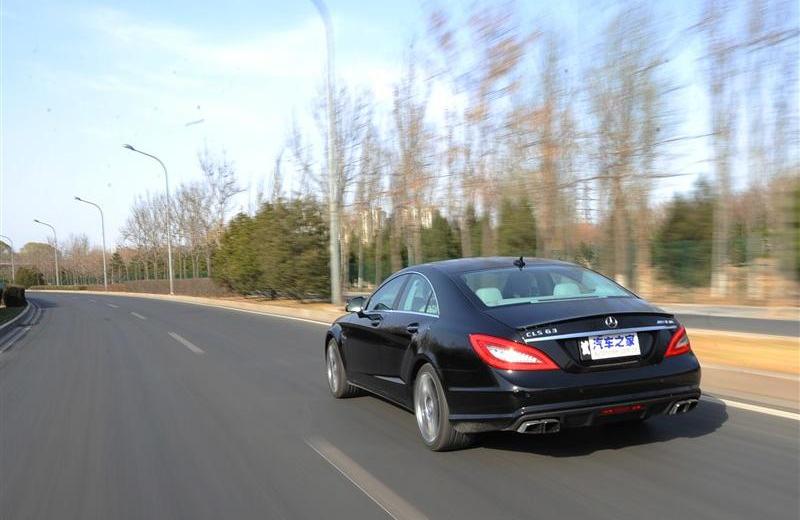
{"points": [[116, 408], [788, 328]]}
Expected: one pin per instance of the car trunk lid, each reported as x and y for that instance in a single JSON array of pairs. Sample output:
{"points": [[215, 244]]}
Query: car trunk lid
{"points": [[524, 316], [557, 328]]}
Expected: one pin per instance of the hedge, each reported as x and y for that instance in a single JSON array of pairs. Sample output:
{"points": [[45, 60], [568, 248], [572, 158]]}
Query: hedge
{"points": [[14, 296]]}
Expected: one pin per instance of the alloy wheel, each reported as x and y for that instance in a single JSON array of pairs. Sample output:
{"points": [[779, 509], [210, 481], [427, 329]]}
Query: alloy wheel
{"points": [[426, 407], [333, 368]]}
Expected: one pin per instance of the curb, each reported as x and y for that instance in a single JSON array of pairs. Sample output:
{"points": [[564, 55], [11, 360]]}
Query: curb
{"points": [[19, 316], [741, 312]]}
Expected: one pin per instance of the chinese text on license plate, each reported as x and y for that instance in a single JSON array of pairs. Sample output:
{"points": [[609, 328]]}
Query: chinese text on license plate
{"points": [[612, 346]]}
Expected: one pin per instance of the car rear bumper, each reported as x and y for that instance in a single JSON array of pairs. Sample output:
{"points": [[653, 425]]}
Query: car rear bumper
{"points": [[576, 400], [578, 414]]}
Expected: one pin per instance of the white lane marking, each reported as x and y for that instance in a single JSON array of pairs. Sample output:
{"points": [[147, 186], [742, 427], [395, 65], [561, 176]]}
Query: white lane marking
{"points": [[394, 505], [186, 343], [755, 408], [14, 337], [36, 315], [753, 371], [92, 301], [113, 306], [138, 315]]}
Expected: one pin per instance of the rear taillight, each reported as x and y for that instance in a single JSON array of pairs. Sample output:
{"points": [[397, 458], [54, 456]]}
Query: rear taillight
{"points": [[509, 355], [679, 344]]}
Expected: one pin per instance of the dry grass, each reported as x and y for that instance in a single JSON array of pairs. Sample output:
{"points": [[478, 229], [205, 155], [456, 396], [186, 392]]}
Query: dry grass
{"points": [[8, 313], [753, 351]]}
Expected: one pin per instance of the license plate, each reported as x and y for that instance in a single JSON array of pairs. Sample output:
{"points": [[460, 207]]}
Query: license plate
{"points": [[611, 346]]}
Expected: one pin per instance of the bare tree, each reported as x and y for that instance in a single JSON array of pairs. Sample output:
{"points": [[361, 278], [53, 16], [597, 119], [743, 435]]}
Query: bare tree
{"points": [[302, 157], [414, 149], [482, 64], [367, 204], [720, 69], [144, 230], [193, 219], [629, 128], [770, 46], [277, 179], [352, 117], [220, 179], [550, 145]]}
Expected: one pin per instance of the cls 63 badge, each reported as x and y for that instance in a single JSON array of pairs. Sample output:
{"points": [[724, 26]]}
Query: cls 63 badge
{"points": [[541, 332]]}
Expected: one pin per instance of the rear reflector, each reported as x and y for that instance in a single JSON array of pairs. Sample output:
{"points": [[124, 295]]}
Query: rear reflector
{"points": [[509, 355], [616, 410]]}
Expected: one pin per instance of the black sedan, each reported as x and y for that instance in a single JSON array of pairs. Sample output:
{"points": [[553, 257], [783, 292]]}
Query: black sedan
{"points": [[525, 345]]}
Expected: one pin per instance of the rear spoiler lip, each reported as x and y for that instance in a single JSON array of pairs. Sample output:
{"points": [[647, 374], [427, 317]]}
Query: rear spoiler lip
{"points": [[601, 332], [659, 314]]}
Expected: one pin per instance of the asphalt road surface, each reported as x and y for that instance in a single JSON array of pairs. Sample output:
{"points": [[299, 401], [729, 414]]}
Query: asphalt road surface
{"points": [[789, 328], [115, 408]]}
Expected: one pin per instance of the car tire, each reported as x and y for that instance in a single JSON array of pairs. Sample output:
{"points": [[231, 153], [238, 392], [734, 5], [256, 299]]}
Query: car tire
{"points": [[432, 413], [336, 374]]}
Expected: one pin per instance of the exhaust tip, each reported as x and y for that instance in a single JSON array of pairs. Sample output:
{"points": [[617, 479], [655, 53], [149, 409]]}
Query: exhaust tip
{"points": [[552, 426], [539, 426], [683, 406]]}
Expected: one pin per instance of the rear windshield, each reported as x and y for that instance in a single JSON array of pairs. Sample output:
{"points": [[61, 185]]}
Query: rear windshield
{"points": [[536, 284]]}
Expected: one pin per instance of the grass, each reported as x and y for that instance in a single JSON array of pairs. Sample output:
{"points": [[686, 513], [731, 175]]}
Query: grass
{"points": [[776, 354], [9, 313]]}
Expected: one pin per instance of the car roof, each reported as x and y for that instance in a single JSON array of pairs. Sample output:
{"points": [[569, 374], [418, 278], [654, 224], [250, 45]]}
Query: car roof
{"points": [[461, 265]]}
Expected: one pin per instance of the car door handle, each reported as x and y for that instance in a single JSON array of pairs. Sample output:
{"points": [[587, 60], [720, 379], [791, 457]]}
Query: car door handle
{"points": [[412, 328]]}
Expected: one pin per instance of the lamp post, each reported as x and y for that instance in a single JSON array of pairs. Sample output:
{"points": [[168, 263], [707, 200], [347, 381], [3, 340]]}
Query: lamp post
{"points": [[169, 232], [55, 248], [11, 247], [103, 229], [333, 177]]}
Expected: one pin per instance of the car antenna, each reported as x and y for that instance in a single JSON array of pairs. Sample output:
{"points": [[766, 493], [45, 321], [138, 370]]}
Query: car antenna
{"points": [[519, 263]]}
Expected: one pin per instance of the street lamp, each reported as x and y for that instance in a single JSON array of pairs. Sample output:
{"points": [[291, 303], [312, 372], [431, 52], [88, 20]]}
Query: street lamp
{"points": [[169, 233], [333, 177], [11, 247], [55, 248], [103, 228]]}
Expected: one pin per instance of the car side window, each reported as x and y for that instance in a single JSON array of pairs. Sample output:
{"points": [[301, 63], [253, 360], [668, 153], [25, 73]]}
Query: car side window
{"points": [[384, 298], [433, 305], [417, 296]]}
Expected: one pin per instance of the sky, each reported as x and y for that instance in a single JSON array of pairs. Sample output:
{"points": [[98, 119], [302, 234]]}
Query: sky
{"points": [[81, 78]]}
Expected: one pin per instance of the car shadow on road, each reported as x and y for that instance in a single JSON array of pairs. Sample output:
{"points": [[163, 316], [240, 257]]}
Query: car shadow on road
{"points": [[709, 416]]}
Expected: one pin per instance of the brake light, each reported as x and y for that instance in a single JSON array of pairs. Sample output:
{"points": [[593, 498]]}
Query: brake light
{"points": [[509, 355], [679, 344]]}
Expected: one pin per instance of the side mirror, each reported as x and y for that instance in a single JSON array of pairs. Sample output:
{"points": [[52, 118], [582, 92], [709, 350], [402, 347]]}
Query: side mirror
{"points": [[355, 304]]}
